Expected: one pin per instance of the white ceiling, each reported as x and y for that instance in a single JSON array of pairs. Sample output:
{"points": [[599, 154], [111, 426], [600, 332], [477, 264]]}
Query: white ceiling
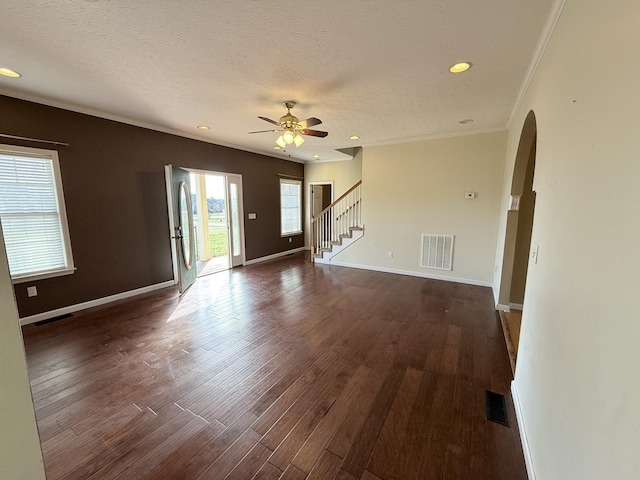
{"points": [[377, 69]]}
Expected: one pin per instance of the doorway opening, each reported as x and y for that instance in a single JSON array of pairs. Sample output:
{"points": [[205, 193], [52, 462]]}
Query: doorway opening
{"points": [[205, 222], [211, 222], [518, 250], [217, 220], [321, 197]]}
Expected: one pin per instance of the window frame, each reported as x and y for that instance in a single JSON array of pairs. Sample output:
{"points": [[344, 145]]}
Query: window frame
{"points": [[52, 156], [291, 181]]}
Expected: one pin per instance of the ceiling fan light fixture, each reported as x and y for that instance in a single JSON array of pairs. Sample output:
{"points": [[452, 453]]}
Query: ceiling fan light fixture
{"points": [[292, 130], [288, 136]]}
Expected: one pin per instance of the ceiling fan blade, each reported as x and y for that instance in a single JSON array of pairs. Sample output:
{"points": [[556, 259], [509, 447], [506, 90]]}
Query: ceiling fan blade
{"points": [[264, 131], [310, 122], [313, 133], [268, 120]]}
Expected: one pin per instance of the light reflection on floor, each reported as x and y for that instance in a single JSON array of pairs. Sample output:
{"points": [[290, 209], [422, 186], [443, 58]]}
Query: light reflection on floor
{"points": [[216, 264]]}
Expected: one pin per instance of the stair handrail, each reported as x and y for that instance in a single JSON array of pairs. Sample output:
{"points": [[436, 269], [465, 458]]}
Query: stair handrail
{"points": [[358, 183]]}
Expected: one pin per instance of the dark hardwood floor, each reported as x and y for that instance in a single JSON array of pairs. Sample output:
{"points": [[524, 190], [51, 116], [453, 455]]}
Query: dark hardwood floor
{"points": [[278, 370]]}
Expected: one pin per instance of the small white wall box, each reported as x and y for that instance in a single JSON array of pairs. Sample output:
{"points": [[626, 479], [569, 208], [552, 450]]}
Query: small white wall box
{"points": [[252, 216], [470, 195]]}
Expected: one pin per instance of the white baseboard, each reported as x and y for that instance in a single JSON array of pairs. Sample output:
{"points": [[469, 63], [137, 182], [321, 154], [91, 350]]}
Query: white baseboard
{"points": [[414, 274], [523, 433], [275, 255], [93, 303]]}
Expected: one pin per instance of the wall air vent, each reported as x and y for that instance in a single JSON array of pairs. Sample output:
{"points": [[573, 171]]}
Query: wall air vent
{"points": [[437, 251]]}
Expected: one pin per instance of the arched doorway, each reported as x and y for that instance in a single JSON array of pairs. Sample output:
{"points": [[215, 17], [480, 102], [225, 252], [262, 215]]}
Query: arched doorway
{"points": [[517, 248]]}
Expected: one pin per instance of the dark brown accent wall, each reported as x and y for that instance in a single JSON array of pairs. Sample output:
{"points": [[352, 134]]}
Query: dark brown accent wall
{"points": [[114, 188]]}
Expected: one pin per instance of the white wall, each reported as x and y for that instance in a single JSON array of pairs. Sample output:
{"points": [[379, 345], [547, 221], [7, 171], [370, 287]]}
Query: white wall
{"points": [[20, 454], [577, 372], [343, 175], [415, 188]]}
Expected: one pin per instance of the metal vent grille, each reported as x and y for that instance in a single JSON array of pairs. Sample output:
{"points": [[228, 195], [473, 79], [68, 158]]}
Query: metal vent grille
{"points": [[437, 251], [496, 408]]}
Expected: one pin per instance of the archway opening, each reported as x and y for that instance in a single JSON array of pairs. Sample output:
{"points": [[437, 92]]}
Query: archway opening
{"points": [[519, 228]]}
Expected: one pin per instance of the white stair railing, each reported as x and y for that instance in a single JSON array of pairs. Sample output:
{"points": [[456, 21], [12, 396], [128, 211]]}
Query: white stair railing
{"points": [[337, 221]]}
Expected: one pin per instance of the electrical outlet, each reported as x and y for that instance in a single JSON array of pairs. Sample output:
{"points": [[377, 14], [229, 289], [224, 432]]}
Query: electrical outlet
{"points": [[290, 239], [32, 291], [390, 254]]}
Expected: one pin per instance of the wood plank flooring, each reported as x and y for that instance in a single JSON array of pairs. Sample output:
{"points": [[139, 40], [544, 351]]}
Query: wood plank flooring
{"points": [[281, 370]]}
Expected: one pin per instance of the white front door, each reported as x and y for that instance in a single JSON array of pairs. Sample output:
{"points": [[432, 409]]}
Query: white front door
{"points": [[181, 223]]}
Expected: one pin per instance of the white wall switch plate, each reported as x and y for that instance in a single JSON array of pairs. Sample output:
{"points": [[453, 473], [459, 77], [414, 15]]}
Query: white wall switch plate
{"points": [[534, 252]]}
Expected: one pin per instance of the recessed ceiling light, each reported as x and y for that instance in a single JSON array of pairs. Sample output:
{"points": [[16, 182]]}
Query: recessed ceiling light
{"points": [[354, 137], [7, 72], [203, 127], [467, 120], [316, 156], [460, 67]]}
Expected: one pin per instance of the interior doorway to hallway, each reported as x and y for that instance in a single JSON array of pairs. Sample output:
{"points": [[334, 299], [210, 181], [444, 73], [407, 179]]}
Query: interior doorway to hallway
{"points": [[217, 220], [321, 196], [519, 251]]}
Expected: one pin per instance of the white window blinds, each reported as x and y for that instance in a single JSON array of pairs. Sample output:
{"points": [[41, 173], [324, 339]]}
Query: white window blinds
{"points": [[33, 222], [290, 206]]}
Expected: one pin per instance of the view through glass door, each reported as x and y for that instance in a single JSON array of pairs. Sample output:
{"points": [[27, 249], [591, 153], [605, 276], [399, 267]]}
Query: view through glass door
{"points": [[218, 221]]}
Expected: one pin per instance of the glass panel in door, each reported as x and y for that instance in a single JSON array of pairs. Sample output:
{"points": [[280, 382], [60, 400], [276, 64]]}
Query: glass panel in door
{"points": [[236, 231]]}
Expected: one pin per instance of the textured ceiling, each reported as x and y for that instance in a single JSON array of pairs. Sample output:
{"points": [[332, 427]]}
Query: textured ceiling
{"points": [[378, 69]]}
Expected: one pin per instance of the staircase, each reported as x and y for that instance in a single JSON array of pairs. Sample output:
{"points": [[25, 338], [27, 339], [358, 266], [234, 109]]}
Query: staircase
{"points": [[337, 226]]}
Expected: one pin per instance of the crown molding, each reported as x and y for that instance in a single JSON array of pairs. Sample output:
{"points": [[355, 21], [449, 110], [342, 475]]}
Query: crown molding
{"points": [[545, 36]]}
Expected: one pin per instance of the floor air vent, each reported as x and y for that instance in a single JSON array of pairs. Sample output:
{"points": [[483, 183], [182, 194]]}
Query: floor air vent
{"points": [[496, 408], [51, 320], [437, 251]]}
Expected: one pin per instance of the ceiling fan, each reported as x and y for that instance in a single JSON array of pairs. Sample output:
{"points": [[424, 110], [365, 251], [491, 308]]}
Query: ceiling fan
{"points": [[292, 129]]}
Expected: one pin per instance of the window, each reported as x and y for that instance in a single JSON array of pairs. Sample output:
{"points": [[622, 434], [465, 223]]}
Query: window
{"points": [[290, 207], [32, 213]]}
